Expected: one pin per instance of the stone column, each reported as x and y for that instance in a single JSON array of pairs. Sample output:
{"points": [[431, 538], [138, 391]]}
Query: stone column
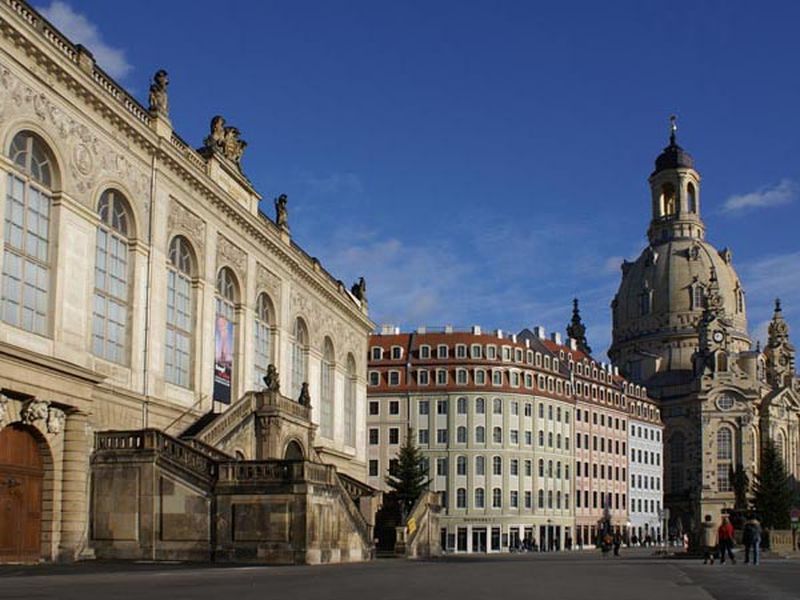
{"points": [[74, 488]]}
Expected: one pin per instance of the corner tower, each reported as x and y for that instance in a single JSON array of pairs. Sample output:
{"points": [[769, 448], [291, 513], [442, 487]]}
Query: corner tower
{"points": [[663, 293]]}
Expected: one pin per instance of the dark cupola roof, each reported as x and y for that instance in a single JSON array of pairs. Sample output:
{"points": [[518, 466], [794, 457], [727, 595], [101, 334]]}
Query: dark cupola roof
{"points": [[673, 156]]}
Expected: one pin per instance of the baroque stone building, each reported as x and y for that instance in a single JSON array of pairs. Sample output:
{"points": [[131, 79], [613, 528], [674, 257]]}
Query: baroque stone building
{"points": [[680, 328], [141, 288]]}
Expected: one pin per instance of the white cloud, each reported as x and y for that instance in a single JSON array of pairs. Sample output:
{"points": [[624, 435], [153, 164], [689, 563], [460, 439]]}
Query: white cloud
{"points": [[764, 279], [335, 183], [80, 30], [782, 193]]}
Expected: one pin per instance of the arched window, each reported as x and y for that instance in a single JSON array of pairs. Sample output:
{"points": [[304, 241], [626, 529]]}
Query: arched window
{"points": [[691, 198], [698, 297], [541, 467], [497, 465], [111, 273], [497, 498], [180, 313], [480, 465], [461, 498], [541, 499], [461, 435], [299, 357], [550, 499], [263, 338], [480, 434], [26, 244], [480, 406], [479, 498], [350, 402], [497, 435], [461, 465], [497, 406], [668, 203], [724, 444], [225, 301], [327, 386]]}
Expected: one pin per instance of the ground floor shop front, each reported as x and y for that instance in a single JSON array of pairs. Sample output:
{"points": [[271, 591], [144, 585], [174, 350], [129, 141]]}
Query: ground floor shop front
{"points": [[492, 536]]}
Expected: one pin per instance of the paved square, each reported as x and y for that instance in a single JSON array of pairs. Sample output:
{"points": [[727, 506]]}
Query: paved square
{"points": [[556, 576]]}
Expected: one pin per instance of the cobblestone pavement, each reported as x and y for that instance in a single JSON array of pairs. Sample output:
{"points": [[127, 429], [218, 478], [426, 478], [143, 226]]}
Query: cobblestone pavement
{"points": [[578, 575]]}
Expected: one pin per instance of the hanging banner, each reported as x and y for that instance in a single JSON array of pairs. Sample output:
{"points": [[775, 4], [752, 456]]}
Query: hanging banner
{"points": [[223, 359]]}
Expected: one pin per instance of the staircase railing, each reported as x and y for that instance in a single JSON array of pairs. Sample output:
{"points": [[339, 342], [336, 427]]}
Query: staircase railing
{"points": [[216, 431]]}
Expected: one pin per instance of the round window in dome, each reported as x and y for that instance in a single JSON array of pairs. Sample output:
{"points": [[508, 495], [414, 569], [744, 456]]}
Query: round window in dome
{"points": [[725, 402]]}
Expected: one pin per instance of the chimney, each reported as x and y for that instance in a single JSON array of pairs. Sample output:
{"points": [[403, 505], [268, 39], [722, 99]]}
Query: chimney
{"points": [[397, 331], [573, 344], [539, 332], [499, 334], [476, 330], [387, 329], [556, 337], [448, 329], [527, 342], [616, 370], [422, 329], [514, 338]]}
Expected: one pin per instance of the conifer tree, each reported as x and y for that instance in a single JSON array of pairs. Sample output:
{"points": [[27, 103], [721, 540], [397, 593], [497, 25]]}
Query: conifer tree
{"points": [[773, 492], [409, 478], [741, 485]]}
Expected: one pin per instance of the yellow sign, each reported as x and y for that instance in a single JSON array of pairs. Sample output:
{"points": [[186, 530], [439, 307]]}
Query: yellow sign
{"points": [[412, 525]]}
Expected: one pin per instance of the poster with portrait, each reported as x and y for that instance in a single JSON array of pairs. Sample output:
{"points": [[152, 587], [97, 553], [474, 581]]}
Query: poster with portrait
{"points": [[223, 359]]}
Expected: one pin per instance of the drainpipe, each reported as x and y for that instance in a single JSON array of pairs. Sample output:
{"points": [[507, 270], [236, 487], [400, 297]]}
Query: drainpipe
{"points": [[148, 287]]}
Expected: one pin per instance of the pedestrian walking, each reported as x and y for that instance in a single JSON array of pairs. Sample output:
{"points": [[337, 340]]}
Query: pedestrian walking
{"points": [[708, 537], [617, 543], [751, 538], [725, 538]]}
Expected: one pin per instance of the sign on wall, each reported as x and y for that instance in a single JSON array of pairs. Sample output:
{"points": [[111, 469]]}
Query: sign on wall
{"points": [[223, 359]]}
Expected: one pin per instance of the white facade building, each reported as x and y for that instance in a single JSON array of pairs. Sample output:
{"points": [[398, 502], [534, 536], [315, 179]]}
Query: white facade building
{"points": [[646, 468]]}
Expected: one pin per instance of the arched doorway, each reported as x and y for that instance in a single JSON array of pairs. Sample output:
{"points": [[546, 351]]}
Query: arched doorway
{"points": [[293, 451], [21, 475]]}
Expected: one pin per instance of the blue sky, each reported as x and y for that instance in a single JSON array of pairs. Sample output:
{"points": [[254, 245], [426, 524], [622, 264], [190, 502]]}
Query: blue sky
{"points": [[484, 162]]}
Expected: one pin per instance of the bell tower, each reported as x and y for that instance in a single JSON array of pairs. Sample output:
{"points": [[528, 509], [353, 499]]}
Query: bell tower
{"points": [[780, 352], [675, 193]]}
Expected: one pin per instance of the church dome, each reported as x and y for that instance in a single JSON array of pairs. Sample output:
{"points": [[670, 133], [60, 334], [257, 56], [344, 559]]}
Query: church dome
{"points": [[661, 298], [673, 157]]}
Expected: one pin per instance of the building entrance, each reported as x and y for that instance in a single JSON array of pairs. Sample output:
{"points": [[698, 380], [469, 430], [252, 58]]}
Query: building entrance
{"points": [[21, 475], [479, 539]]}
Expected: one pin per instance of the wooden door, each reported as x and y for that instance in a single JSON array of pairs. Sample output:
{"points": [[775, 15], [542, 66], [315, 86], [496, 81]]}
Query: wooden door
{"points": [[21, 474]]}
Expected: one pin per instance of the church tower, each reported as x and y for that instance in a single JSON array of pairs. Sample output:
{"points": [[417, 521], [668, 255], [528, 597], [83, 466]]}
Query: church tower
{"points": [[680, 328]]}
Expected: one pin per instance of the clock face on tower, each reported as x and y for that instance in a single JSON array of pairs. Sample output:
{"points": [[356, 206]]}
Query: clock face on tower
{"points": [[718, 336]]}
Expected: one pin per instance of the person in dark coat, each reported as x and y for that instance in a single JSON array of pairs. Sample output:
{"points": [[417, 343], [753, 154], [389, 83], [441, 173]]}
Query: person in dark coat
{"points": [[751, 537]]}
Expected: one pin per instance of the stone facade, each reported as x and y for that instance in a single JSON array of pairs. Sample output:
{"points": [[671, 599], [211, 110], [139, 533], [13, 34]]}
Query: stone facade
{"points": [[136, 246], [680, 328]]}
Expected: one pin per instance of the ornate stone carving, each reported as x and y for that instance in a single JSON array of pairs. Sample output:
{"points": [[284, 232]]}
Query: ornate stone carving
{"points": [[281, 212], [4, 410], [90, 157], [229, 253], [305, 396], [266, 279], [34, 410], [159, 101], [272, 380], [183, 221], [225, 141], [55, 420], [359, 290]]}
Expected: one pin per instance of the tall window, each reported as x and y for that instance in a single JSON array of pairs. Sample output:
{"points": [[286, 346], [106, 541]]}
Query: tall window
{"points": [[111, 272], [26, 248], [724, 444], [350, 402], [327, 390], [225, 301], [299, 357], [691, 198], [180, 314], [263, 339]]}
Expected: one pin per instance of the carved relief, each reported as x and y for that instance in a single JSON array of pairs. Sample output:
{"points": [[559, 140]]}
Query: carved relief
{"points": [[4, 410], [55, 420], [267, 280], [34, 410], [230, 254], [184, 222], [89, 158]]}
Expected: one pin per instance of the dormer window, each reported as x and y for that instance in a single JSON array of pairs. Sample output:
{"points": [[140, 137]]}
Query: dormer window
{"points": [[425, 352], [397, 352], [441, 351], [461, 351], [491, 352], [476, 351], [377, 353]]}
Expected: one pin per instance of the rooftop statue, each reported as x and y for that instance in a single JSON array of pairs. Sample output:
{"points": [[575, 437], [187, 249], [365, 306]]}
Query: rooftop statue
{"points": [[281, 212], [159, 101], [225, 141]]}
